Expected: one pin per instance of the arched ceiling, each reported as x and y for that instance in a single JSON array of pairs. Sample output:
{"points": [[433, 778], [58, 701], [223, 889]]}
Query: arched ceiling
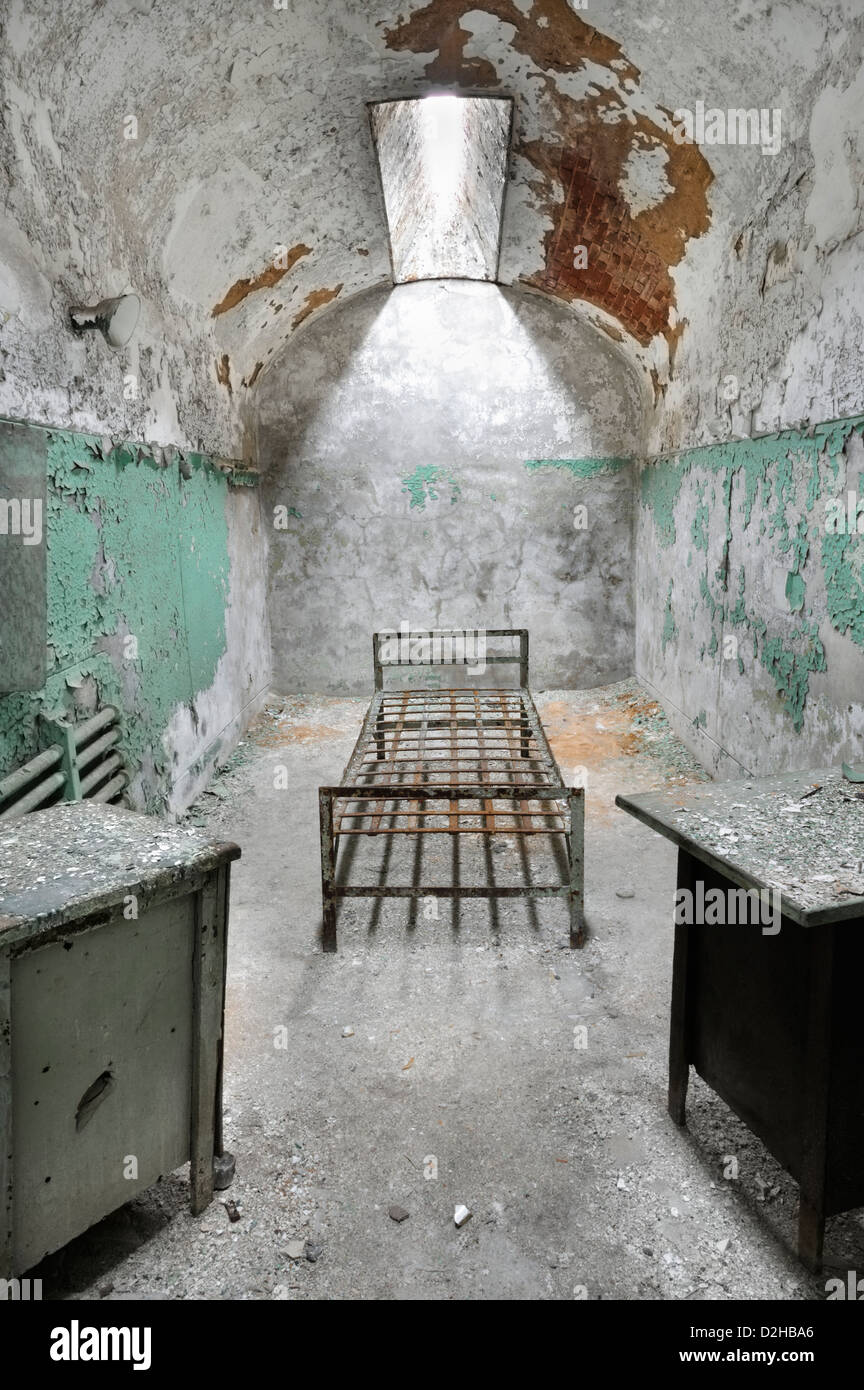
{"points": [[250, 133]]}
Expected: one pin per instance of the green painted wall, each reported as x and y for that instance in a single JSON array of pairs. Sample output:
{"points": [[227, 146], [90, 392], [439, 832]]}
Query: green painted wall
{"points": [[581, 468], [738, 531], [137, 548], [427, 483]]}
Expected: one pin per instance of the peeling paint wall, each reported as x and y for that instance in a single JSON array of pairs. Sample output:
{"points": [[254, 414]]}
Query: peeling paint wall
{"points": [[750, 582], [74, 229], [425, 453], [773, 294], [203, 155], [581, 153], [155, 604]]}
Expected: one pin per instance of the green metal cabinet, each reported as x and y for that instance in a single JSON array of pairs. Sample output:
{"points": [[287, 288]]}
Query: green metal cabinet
{"points": [[113, 934]]}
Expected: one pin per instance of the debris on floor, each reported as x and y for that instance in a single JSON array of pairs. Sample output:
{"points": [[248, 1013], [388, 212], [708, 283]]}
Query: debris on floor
{"points": [[539, 1076]]}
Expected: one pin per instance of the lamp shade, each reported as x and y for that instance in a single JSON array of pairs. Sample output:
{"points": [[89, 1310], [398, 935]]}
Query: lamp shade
{"points": [[116, 318]]}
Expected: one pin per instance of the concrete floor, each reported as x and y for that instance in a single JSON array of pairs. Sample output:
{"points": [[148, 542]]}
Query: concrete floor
{"points": [[464, 1050]]}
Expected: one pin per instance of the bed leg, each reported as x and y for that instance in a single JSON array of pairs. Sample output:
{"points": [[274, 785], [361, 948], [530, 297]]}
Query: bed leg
{"points": [[379, 737], [576, 856], [328, 869]]}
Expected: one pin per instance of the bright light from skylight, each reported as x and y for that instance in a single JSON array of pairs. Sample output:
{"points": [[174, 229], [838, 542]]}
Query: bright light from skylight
{"points": [[443, 164], [442, 124]]}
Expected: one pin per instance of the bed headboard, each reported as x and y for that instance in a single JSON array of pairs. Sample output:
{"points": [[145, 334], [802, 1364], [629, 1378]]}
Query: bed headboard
{"points": [[446, 646]]}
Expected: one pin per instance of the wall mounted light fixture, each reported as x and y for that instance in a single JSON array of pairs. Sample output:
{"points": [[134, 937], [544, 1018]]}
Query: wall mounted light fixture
{"points": [[116, 319]]}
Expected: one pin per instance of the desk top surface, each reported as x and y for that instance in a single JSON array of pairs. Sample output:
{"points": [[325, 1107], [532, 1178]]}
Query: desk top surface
{"points": [[61, 864], [801, 833]]}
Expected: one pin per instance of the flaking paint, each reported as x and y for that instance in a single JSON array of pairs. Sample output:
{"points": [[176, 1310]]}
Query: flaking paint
{"points": [[134, 549], [581, 468], [785, 479]]}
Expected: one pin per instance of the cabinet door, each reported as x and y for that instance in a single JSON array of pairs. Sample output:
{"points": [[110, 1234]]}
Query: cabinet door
{"points": [[101, 1072]]}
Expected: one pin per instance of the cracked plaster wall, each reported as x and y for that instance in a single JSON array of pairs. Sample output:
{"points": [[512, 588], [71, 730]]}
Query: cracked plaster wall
{"points": [[702, 262], [405, 445], [732, 280], [750, 617], [164, 550], [774, 293]]}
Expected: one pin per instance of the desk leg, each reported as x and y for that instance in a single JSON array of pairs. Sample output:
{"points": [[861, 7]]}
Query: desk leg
{"points": [[680, 1023], [6, 1175], [208, 982], [224, 1164], [816, 1081]]}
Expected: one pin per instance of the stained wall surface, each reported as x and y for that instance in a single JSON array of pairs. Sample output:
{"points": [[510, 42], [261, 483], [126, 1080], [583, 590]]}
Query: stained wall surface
{"points": [[203, 155], [424, 452], [155, 603], [172, 150], [750, 607]]}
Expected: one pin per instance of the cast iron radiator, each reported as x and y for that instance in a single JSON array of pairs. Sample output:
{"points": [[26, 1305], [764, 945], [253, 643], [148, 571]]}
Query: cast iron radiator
{"points": [[82, 762]]}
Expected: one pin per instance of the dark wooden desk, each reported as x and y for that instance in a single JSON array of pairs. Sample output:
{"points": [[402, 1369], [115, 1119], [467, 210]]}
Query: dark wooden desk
{"points": [[770, 1019]]}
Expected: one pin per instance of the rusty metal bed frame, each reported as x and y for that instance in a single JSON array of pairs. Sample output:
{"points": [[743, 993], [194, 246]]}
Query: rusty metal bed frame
{"points": [[482, 751]]}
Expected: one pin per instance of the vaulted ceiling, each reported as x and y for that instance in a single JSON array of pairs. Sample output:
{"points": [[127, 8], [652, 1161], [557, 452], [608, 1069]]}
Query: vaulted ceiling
{"points": [[217, 158]]}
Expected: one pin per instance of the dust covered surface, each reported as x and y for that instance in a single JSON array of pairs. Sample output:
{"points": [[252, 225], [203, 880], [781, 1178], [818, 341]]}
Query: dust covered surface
{"points": [[57, 864], [801, 833], [461, 1044]]}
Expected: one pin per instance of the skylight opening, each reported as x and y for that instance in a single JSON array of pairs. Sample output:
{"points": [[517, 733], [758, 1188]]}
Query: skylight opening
{"points": [[443, 166]]}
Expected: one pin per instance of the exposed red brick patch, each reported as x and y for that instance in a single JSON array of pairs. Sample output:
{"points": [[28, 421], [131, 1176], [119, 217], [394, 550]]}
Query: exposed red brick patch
{"points": [[269, 276], [313, 301], [625, 274], [223, 371], [581, 162], [629, 257]]}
